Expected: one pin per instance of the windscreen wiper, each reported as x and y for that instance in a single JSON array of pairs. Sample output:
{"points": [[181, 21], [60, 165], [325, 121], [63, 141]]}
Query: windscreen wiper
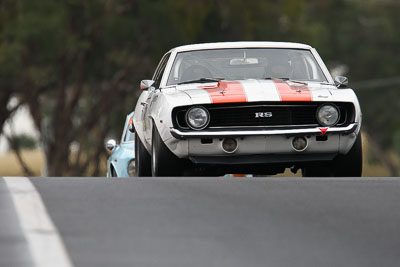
{"points": [[203, 80], [325, 83], [285, 79]]}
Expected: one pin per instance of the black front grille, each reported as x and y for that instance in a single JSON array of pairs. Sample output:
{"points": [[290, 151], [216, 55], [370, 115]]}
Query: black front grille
{"points": [[245, 115], [258, 116]]}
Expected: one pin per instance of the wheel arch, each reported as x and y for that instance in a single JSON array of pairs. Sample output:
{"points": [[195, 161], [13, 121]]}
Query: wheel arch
{"points": [[161, 127]]}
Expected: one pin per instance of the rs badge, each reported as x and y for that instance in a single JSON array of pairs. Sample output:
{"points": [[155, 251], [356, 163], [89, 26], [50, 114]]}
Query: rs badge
{"points": [[263, 114]]}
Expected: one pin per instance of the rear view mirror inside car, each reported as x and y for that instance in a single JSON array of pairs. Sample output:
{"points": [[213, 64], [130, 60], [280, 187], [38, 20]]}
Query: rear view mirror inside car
{"points": [[243, 61]]}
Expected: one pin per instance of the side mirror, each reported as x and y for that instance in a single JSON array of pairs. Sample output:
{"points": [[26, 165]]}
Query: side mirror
{"points": [[341, 82], [145, 84], [111, 145]]}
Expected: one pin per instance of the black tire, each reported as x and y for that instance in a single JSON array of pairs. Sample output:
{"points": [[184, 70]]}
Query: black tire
{"points": [[351, 164], [163, 161], [322, 169], [142, 158], [113, 173]]}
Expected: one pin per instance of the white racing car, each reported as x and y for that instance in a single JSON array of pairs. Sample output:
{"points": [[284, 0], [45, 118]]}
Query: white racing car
{"points": [[246, 107]]}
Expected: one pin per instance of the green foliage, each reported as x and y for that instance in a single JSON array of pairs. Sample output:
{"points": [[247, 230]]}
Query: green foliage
{"points": [[24, 141]]}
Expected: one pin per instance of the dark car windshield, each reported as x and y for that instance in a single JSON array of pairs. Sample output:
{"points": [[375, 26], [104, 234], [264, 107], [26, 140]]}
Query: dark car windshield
{"points": [[129, 136], [245, 63]]}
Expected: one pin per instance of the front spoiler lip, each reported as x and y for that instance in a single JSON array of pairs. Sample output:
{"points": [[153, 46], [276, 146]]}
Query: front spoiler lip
{"points": [[288, 132]]}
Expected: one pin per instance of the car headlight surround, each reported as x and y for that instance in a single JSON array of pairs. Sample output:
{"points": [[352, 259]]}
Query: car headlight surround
{"points": [[328, 115], [197, 118], [131, 168]]}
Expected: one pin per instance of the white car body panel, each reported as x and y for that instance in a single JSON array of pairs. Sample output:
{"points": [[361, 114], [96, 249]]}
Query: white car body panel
{"points": [[154, 106]]}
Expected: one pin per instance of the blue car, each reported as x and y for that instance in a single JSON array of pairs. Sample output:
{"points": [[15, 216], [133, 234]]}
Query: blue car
{"points": [[121, 162]]}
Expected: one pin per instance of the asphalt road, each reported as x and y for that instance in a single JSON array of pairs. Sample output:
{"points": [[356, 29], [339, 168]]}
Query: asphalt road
{"points": [[216, 221]]}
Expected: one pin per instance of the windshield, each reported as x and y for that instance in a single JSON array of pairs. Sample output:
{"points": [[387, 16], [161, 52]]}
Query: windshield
{"points": [[129, 136], [250, 63]]}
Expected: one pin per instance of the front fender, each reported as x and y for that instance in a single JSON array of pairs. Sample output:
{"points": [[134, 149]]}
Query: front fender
{"points": [[348, 95], [138, 118], [161, 109], [160, 113]]}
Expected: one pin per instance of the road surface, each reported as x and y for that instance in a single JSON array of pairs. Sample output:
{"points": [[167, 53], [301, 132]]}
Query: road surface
{"points": [[214, 221]]}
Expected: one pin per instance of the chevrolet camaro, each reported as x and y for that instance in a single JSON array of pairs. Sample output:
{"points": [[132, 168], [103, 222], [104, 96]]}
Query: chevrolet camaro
{"points": [[246, 107]]}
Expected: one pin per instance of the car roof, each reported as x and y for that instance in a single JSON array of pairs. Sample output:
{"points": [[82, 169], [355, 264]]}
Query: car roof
{"points": [[252, 44]]}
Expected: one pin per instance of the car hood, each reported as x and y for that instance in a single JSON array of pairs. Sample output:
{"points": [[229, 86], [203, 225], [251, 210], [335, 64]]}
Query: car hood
{"points": [[257, 90]]}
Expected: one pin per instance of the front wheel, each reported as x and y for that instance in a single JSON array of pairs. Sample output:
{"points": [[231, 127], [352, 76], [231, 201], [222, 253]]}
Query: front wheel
{"points": [[163, 161], [350, 165], [142, 159], [322, 169], [113, 173]]}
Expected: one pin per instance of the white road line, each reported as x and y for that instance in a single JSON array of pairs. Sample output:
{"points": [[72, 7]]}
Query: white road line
{"points": [[43, 238]]}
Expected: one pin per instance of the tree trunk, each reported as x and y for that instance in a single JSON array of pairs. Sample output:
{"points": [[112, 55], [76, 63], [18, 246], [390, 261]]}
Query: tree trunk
{"points": [[5, 96], [16, 148]]}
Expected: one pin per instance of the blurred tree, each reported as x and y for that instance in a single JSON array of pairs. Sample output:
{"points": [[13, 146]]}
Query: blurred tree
{"points": [[363, 37], [9, 64], [74, 63], [16, 146], [24, 141]]}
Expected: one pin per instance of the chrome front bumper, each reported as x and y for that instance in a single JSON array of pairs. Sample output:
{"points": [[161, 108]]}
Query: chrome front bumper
{"points": [[288, 132]]}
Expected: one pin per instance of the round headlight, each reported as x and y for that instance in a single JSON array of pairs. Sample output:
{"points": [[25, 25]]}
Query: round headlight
{"points": [[197, 118], [328, 115], [131, 168]]}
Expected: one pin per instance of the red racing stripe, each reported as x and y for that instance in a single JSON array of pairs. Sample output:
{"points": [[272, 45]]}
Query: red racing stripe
{"points": [[227, 92], [292, 93]]}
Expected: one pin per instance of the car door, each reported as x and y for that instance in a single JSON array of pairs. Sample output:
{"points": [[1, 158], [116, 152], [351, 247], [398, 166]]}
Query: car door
{"points": [[153, 91]]}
